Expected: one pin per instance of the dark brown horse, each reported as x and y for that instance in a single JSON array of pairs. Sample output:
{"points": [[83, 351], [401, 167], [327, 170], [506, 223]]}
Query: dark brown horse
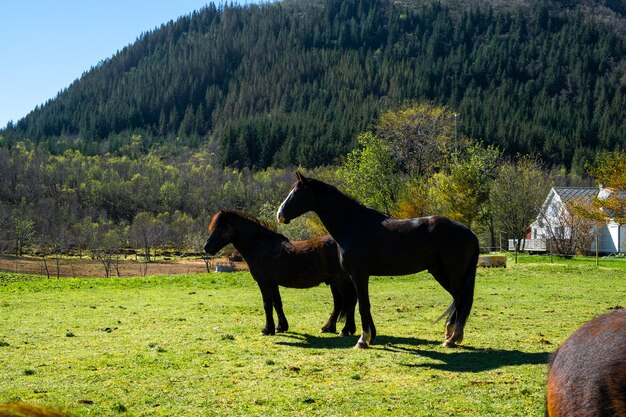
{"points": [[588, 373], [275, 260], [372, 244]]}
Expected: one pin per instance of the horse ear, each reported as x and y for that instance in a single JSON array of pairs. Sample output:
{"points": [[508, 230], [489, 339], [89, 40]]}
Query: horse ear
{"points": [[299, 176]]}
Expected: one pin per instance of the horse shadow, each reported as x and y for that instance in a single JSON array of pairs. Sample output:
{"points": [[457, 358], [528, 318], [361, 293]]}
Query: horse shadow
{"points": [[308, 341], [469, 359], [459, 359]]}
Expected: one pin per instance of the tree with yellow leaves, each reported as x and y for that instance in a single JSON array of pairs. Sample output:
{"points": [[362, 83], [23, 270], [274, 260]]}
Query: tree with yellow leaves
{"points": [[609, 170], [461, 190], [418, 135]]}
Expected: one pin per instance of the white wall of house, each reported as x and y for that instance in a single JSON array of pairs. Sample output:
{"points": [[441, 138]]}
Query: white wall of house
{"points": [[608, 236], [554, 208], [615, 238], [611, 236]]}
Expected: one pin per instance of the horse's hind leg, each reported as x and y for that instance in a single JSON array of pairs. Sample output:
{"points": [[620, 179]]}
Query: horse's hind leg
{"points": [[452, 334], [455, 325], [463, 299], [283, 326], [331, 324], [349, 304], [344, 303]]}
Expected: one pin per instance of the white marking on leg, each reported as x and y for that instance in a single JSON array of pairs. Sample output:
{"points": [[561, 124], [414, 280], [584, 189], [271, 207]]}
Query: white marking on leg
{"points": [[364, 340]]}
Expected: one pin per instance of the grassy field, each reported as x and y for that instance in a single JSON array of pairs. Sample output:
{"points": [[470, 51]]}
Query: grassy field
{"points": [[191, 346]]}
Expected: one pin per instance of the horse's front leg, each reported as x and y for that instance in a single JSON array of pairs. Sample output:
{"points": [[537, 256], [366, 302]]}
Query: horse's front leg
{"points": [[283, 326], [267, 292], [368, 330]]}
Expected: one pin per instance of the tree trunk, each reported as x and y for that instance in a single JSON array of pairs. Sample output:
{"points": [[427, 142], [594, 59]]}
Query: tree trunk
{"points": [[492, 233], [45, 266]]}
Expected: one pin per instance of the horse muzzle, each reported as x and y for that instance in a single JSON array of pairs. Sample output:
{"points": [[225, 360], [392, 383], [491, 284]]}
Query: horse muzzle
{"points": [[281, 218], [209, 246], [208, 250]]}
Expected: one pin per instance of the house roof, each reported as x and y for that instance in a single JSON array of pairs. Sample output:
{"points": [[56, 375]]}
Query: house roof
{"points": [[568, 194], [564, 195]]}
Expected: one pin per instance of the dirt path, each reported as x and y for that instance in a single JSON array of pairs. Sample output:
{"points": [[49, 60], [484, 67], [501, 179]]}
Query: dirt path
{"points": [[91, 268]]}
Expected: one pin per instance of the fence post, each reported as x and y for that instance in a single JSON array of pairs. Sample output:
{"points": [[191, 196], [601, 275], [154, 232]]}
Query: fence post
{"points": [[597, 259]]}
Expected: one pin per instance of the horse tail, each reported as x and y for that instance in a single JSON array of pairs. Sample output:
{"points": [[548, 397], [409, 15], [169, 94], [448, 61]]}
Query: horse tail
{"points": [[465, 299], [451, 309], [343, 313]]}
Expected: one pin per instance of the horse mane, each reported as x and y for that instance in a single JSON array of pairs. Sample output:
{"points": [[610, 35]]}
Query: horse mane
{"points": [[331, 188], [270, 227], [212, 224]]}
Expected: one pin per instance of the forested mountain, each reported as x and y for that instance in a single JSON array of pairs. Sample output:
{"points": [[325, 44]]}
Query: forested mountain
{"points": [[294, 82]]}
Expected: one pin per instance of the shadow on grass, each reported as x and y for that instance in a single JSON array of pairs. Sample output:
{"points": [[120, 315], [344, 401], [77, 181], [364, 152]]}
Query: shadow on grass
{"points": [[468, 359], [302, 340], [460, 359]]}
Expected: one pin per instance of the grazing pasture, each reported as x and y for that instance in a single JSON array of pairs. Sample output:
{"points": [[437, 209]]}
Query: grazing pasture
{"points": [[190, 345]]}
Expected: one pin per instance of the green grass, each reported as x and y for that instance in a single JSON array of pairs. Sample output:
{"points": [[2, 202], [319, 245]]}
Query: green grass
{"points": [[191, 345]]}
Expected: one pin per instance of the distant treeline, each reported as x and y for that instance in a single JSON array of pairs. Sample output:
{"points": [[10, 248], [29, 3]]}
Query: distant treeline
{"points": [[294, 83], [101, 204], [104, 205]]}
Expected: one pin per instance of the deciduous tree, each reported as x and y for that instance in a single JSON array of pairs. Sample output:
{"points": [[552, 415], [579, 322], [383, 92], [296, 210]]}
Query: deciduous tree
{"points": [[144, 232], [461, 190], [371, 174], [609, 170], [418, 136], [516, 196], [104, 240]]}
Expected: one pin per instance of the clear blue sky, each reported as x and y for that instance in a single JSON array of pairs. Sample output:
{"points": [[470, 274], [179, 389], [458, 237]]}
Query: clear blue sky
{"points": [[45, 45]]}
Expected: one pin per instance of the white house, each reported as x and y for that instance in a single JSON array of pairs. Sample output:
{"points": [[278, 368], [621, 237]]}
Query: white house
{"points": [[554, 220]]}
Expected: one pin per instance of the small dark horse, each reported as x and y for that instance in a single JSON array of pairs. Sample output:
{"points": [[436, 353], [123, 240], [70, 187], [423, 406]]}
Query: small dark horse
{"points": [[588, 373], [275, 260], [372, 244]]}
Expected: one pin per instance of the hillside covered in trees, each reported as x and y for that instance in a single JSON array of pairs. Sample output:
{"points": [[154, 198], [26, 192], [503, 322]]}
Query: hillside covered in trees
{"points": [[294, 82]]}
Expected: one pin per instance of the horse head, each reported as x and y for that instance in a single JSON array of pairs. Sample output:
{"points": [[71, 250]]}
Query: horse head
{"points": [[298, 202], [220, 233]]}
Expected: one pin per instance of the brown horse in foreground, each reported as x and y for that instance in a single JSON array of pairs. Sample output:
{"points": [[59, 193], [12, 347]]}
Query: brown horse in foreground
{"points": [[27, 410], [275, 260], [587, 374], [371, 243]]}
